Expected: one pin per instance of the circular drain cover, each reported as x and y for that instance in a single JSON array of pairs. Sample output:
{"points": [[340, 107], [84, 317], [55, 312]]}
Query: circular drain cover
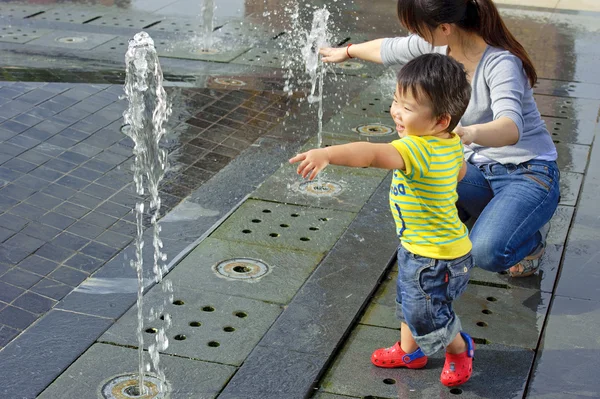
{"points": [[350, 65], [241, 268], [320, 189], [205, 51], [126, 387], [374, 129], [72, 39], [230, 82]]}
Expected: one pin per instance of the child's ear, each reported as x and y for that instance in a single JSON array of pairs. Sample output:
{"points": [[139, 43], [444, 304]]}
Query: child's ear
{"points": [[443, 122]]}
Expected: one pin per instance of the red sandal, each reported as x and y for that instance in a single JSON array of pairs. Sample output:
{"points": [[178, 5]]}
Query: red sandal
{"points": [[459, 367], [394, 356]]}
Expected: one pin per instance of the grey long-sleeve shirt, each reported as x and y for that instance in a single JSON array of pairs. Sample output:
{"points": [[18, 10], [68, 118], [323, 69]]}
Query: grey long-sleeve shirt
{"points": [[499, 88]]}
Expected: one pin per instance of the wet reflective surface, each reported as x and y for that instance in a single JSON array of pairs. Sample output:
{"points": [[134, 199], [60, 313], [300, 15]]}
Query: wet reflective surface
{"points": [[67, 189]]}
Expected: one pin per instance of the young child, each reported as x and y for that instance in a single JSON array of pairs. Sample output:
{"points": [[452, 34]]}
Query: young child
{"points": [[434, 257]]}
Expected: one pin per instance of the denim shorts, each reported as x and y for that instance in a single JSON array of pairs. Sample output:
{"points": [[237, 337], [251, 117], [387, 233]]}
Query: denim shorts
{"points": [[425, 290]]}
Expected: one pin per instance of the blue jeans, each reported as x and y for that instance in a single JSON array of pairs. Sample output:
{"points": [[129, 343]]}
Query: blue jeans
{"points": [[511, 203], [424, 293]]}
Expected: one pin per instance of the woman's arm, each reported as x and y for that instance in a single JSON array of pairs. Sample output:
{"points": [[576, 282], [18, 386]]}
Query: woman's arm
{"points": [[360, 154], [368, 51], [499, 133]]}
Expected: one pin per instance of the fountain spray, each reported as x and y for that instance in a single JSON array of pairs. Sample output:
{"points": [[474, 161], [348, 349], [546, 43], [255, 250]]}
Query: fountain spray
{"points": [[148, 110]]}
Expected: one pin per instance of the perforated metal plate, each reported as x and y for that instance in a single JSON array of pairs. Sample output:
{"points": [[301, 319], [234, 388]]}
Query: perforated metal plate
{"points": [[16, 34], [124, 20], [72, 40], [354, 187], [263, 57], [354, 127], [499, 372], [206, 325], [100, 363], [244, 31], [287, 270], [570, 130], [190, 50], [179, 25], [306, 229], [69, 15], [15, 10], [119, 44]]}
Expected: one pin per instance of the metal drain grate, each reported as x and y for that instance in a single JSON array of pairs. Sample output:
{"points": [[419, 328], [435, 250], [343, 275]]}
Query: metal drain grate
{"points": [[241, 269], [19, 11], [320, 188], [126, 387], [375, 129]]}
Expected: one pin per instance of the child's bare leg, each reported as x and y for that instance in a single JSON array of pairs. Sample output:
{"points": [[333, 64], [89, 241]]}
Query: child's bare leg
{"points": [[407, 342], [458, 345]]}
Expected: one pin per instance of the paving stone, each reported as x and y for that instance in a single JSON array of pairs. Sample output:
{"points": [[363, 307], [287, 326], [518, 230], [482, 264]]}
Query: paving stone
{"points": [[17, 248], [566, 362], [570, 185], [572, 157], [68, 15], [40, 231], [187, 378], [351, 188], [126, 20], [191, 51], [68, 334], [5, 234], [38, 265], [51, 288], [569, 108], [69, 241], [7, 334], [19, 11], [16, 318], [68, 276], [43, 201], [53, 252], [84, 229], [347, 126], [9, 292], [287, 270], [59, 191], [12, 222], [19, 34], [72, 40], [214, 312], [268, 231], [499, 371], [57, 220], [71, 210], [34, 303], [27, 211], [84, 263], [16, 192]]}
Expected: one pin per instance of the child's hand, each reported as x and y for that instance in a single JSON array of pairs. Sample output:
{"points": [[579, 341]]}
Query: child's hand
{"points": [[311, 162], [330, 54]]}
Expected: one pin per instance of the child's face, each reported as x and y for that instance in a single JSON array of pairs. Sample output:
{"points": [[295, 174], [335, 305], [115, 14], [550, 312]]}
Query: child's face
{"points": [[412, 117]]}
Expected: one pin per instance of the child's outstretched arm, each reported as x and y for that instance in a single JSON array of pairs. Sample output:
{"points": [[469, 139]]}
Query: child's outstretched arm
{"points": [[361, 154], [368, 51]]}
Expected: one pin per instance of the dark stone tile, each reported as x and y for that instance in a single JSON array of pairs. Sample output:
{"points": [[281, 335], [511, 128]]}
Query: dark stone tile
{"points": [[49, 149], [20, 278], [34, 303], [35, 157], [73, 157], [99, 251], [16, 192], [31, 182], [6, 134], [294, 372], [111, 158], [60, 165], [203, 143], [9, 293], [7, 202], [14, 126], [125, 228], [68, 276], [5, 234], [9, 174], [40, 231], [61, 141], [74, 134], [85, 200], [175, 189], [37, 134], [98, 165], [36, 96], [87, 150], [43, 201], [116, 183], [226, 151], [7, 334], [16, 318], [99, 219], [54, 253], [200, 123], [28, 119], [11, 149], [85, 230], [59, 191], [51, 125], [72, 182], [51, 288], [24, 141], [38, 265], [125, 199], [27, 211], [114, 240], [99, 191], [71, 210], [69, 334], [57, 220], [12, 222], [4, 268], [47, 174], [19, 165], [85, 263], [4, 158], [70, 241], [213, 162], [113, 209]]}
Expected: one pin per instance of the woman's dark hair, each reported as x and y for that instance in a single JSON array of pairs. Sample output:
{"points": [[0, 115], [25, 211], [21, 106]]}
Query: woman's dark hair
{"points": [[479, 16], [442, 80]]}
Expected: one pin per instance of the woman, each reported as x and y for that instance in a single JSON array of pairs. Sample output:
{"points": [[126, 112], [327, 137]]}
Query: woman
{"points": [[512, 183]]}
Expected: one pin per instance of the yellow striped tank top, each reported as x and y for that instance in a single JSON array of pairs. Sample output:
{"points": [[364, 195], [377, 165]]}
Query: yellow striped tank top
{"points": [[423, 197]]}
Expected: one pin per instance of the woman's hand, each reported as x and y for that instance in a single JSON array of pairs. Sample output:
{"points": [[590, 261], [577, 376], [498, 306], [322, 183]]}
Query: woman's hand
{"points": [[466, 134], [311, 162], [335, 55]]}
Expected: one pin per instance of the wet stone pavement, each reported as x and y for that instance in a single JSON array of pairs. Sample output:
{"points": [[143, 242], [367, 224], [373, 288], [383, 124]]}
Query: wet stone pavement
{"points": [[323, 294]]}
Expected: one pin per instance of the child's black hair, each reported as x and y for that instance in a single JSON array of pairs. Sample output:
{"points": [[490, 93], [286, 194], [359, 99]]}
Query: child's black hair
{"points": [[442, 79]]}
